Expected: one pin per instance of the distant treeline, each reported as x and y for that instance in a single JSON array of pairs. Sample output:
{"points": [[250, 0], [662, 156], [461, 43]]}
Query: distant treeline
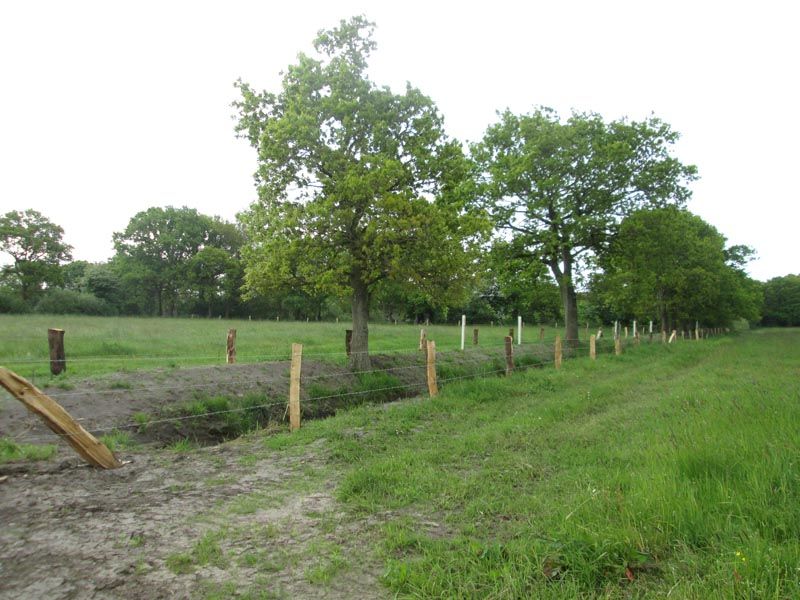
{"points": [[180, 263]]}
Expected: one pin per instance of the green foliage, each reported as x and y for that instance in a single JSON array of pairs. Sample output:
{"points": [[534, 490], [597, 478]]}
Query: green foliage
{"points": [[669, 265], [156, 258], [11, 302], [35, 244], [782, 301], [358, 186], [561, 187], [63, 302]]}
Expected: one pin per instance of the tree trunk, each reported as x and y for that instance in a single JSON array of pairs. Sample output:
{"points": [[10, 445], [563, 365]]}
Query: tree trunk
{"points": [[568, 297], [359, 356]]}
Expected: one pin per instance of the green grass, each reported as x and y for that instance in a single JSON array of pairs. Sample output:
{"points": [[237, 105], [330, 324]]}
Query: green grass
{"points": [[10, 450], [119, 440], [97, 345], [670, 470]]}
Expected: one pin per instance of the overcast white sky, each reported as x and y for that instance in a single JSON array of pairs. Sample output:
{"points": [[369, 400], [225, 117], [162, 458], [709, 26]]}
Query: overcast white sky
{"points": [[108, 108]]}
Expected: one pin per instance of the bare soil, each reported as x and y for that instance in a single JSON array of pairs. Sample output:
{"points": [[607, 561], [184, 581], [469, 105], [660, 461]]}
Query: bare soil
{"points": [[71, 531]]}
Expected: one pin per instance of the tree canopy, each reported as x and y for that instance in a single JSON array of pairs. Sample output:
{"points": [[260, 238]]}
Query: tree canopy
{"points": [[358, 186], [37, 248], [671, 266], [782, 301], [562, 186]]}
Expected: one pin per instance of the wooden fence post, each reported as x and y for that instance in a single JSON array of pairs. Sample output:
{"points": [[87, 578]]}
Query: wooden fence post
{"points": [[348, 341], [463, 330], [519, 330], [541, 334], [430, 364], [557, 352], [509, 354], [636, 339], [58, 360], [423, 337], [626, 332], [58, 420], [230, 350], [617, 346], [294, 387], [673, 336], [475, 337], [592, 347]]}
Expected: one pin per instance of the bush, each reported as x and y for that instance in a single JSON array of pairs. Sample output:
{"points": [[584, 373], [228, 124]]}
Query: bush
{"points": [[10, 302], [62, 302]]}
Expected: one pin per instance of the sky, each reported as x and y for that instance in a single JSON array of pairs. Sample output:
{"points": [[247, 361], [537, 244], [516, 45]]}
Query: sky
{"points": [[109, 108]]}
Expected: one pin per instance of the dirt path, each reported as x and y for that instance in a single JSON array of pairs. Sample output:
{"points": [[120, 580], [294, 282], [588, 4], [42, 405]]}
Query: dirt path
{"points": [[231, 520]]}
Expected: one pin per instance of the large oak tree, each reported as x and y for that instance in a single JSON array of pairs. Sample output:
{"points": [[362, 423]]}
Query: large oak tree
{"points": [[562, 186], [358, 185]]}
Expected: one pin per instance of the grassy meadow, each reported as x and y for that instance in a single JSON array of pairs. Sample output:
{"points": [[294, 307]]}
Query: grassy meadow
{"points": [[670, 471], [97, 345]]}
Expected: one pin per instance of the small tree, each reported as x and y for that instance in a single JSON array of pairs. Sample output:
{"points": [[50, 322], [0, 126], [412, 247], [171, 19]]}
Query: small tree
{"points": [[358, 186], [561, 187], [36, 245]]}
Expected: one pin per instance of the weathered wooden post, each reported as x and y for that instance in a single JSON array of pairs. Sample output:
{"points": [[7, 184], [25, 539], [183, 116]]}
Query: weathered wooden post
{"points": [[294, 387], [673, 336], [422, 339], [58, 360], [348, 341], [475, 336], [557, 352], [626, 332], [592, 347], [58, 420], [230, 349], [509, 354], [430, 368]]}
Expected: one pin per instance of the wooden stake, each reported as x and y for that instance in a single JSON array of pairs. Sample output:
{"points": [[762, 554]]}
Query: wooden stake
{"points": [[430, 364], [58, 420], [617, 346], [673, 336], [509, 354], [475, 337], [541, 334], [231, 347], [599, 333], [626, 332], [294, 387], [519, 330], [463, 330], [422, 339], [58, 361], [592, 347], [557, 352], [348, 341]]}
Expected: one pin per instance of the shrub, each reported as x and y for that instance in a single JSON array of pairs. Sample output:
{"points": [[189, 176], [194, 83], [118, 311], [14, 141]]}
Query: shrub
{"points": [[10, 302], [61, 302]]}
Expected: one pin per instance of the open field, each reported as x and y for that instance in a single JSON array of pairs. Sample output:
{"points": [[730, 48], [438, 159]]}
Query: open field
{"points": [[671, 470], [97, 345]]}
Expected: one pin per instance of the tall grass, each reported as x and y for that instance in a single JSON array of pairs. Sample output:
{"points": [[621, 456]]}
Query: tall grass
{"points": [[671, 470]]}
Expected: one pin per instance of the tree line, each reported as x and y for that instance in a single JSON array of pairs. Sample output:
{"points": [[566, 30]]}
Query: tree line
{"points": [[366, 206]]}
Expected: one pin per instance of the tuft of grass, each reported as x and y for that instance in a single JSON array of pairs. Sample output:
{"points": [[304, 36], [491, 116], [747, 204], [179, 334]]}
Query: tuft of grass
{"points": [[119, 440], [206, 551], [11, 450], [182, 445]]}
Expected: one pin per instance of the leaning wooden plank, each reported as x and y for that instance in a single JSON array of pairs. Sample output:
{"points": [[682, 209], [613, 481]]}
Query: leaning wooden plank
{"points": [[59, 420]]}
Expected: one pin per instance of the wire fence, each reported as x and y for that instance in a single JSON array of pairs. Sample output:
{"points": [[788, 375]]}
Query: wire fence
{"points": [[471, 363]]}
